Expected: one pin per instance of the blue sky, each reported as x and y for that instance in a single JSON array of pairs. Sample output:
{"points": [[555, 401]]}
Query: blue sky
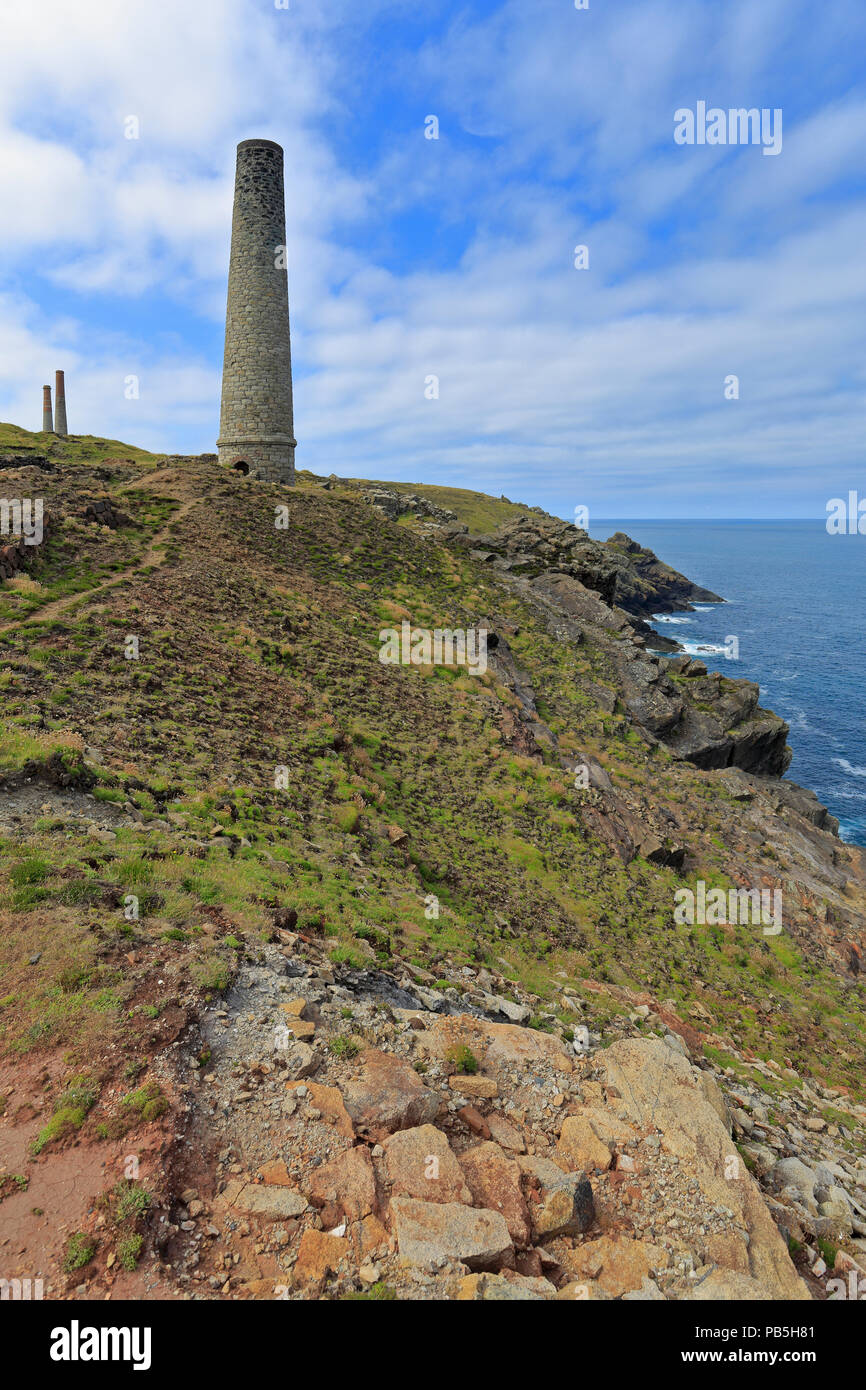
{"points": [[411, 257]]}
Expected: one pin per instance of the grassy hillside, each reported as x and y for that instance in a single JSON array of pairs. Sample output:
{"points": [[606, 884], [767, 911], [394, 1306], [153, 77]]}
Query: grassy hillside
{"points": [[80, 448], [479, 512], [258, 651]]}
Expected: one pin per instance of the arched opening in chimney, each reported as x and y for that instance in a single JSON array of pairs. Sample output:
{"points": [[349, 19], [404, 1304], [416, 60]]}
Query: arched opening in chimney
{"points": [[241, 466]]}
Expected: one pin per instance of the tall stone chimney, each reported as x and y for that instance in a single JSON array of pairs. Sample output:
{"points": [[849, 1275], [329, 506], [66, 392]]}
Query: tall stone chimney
{"points": [[47, 417], [256, 424], [59, 404]]}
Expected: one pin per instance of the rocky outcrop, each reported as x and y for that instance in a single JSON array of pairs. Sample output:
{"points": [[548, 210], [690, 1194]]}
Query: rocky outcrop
{"points": [[655, 1085], [704, 717], [669, 591], [26, 460], [387, 1096], [591, 1175], [394, 504], [16, 554], [620, 571], [429, 1233], [103, 512]]}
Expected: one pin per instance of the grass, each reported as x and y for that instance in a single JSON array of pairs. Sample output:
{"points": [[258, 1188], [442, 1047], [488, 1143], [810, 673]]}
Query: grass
{"points": [[147, 1103], [80, 1249], [131, 1201], [82, 450], [20, 748], [347, 819], [348, 955], [70, 1111], [379, 1292], [827, 1251], [128, 1251], [13, 1182], [462, 1059]]}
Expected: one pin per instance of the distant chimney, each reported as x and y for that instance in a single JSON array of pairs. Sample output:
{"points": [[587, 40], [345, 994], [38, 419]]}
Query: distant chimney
{"points": [[47, 417], [60, 405]]}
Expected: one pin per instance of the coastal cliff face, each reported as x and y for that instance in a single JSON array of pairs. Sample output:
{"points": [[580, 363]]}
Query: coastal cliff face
{"points": [[282, 919], [602, 592], [622, 573]]}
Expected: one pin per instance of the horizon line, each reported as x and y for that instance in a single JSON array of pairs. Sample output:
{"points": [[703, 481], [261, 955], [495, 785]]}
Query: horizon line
{"points": [[820, 519]]}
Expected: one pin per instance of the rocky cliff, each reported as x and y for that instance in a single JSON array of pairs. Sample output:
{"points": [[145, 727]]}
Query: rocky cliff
{"points": [[603, 591]]}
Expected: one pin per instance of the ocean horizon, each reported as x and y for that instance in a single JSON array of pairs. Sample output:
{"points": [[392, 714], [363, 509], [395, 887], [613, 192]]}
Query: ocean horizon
{"points": [[795, 599]]}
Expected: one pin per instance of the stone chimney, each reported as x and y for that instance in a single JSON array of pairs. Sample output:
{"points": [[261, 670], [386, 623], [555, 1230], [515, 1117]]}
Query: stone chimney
{"points": [[47, 417], [256, 422], [60, 405]]}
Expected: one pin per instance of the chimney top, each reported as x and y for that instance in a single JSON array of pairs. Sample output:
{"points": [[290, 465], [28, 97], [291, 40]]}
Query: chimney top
{"points": [[261, 144]]}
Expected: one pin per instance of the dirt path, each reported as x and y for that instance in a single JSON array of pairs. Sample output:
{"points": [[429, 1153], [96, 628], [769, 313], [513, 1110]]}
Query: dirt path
{"points": [[150, 557]]}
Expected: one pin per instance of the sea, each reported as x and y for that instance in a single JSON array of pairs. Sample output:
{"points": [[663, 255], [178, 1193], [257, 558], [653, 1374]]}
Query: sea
{"points": [[795, 600]]}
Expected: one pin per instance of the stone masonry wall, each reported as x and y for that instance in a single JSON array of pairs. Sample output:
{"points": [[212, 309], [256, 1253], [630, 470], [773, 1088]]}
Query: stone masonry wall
{"points": [[256, 425]]}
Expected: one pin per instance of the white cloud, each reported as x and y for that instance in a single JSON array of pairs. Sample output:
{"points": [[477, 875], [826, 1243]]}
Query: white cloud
{"points": [[556, 129]]}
